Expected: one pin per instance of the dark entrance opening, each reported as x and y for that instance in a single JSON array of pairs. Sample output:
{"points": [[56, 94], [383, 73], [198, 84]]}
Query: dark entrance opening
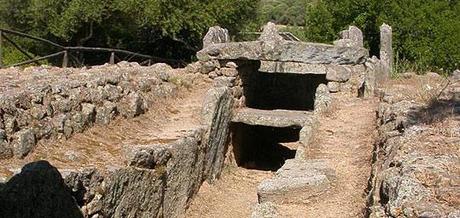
{"points": [[269, 91], [262, 147]]}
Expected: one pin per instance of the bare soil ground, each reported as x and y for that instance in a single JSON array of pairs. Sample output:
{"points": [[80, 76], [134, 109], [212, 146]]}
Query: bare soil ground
{"points": [[234, 195], [103, 147]]}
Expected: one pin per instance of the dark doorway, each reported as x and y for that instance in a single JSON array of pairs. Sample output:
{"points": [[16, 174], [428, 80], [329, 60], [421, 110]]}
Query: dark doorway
{"points": [[261, 147], [269, 91]]}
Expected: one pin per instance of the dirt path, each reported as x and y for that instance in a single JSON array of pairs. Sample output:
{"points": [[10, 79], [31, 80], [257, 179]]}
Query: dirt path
{"points": [[234, 195], [345, 140], [103, 146]]}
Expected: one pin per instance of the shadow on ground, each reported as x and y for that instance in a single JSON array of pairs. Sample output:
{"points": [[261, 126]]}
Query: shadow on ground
{"points": [[38, 191]]}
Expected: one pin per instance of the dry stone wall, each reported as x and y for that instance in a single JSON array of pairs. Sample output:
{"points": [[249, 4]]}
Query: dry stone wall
{"points": [[43, 103]]}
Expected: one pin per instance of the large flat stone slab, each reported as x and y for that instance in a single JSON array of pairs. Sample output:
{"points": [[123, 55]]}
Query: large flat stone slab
{"points": [[273, 118], [285, 51], [296, 182]]}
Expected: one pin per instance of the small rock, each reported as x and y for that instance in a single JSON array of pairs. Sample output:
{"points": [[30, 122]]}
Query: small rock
{"points": [[209, 66], [224, 81], [2, 135], [231, 65], [213, 75], [229, 72], [333, 87], [455, 75], [433, 75], [23, 143], [237, 91], [215, 35]]}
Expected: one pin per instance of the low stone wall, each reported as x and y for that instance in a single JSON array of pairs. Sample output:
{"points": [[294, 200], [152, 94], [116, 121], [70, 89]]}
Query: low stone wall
{"points": [[42, 103], [416, 163]]}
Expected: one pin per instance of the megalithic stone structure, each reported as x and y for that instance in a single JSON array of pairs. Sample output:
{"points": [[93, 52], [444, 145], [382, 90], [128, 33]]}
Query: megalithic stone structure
{"points": [[386, 48]]}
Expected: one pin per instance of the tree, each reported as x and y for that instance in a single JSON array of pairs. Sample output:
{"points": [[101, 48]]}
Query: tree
{"points": [[163, 28], [426, 32]]}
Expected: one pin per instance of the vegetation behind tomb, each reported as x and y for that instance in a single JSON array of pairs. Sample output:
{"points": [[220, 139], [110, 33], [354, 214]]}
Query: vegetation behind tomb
{"points": [[426, 33]]}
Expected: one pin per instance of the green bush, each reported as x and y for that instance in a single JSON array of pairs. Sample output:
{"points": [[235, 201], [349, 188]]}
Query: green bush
{"points": [[425, 32]]}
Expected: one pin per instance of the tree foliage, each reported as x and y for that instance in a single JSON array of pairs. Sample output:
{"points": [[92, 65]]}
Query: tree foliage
{"points": [[164, 28], [285, 12], [425, 32]]}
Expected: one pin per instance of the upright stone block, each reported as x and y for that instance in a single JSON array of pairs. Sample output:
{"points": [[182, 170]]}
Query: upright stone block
{"points": [[386, 48], [215, 35], [356, 35]]}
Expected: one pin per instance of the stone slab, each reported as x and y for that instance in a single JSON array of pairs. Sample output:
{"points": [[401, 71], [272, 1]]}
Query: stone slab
{"points": [[285, 51], [273, 118], [296, 182]]}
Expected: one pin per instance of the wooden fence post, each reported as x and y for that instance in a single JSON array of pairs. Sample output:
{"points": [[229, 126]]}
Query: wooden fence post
{"points": [[112, 58], [1, 53], [65, 59]]}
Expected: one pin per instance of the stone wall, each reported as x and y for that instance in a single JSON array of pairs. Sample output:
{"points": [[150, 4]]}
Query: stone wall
{"points": [[43, 103], [416, 162]]}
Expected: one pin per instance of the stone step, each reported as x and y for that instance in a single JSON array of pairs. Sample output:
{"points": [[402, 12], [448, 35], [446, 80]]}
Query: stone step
{"points": [[273, 118], [297, 182]]}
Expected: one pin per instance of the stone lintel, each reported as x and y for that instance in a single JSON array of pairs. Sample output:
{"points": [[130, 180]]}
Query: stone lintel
{"points": [[273, 118], [284, 51]]}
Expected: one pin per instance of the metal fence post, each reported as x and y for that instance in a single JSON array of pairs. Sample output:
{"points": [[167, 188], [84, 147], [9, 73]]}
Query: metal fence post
{"points": [[65, 59]]}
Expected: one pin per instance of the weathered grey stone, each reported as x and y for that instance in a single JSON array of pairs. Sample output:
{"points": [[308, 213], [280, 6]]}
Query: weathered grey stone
{"points": [[216, 114], [229, 72], [88, 112], [231, 64], [265, 210], [106, 113], [455, 75], [306, 137], [223, 81], [333, 87], [386, 48], [132, 105], [23, 143], [215, 35], [209, 66], [184, 174], [133, 193], [297, 181], [285, 51], [5, 151], [274, 118], [84, 186], [270, 33], [38, 191], [338, 73], [213, 75], [237, 91], [356, 35], [2, 135], [148, 157], [292, 67], [322, 99]]}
